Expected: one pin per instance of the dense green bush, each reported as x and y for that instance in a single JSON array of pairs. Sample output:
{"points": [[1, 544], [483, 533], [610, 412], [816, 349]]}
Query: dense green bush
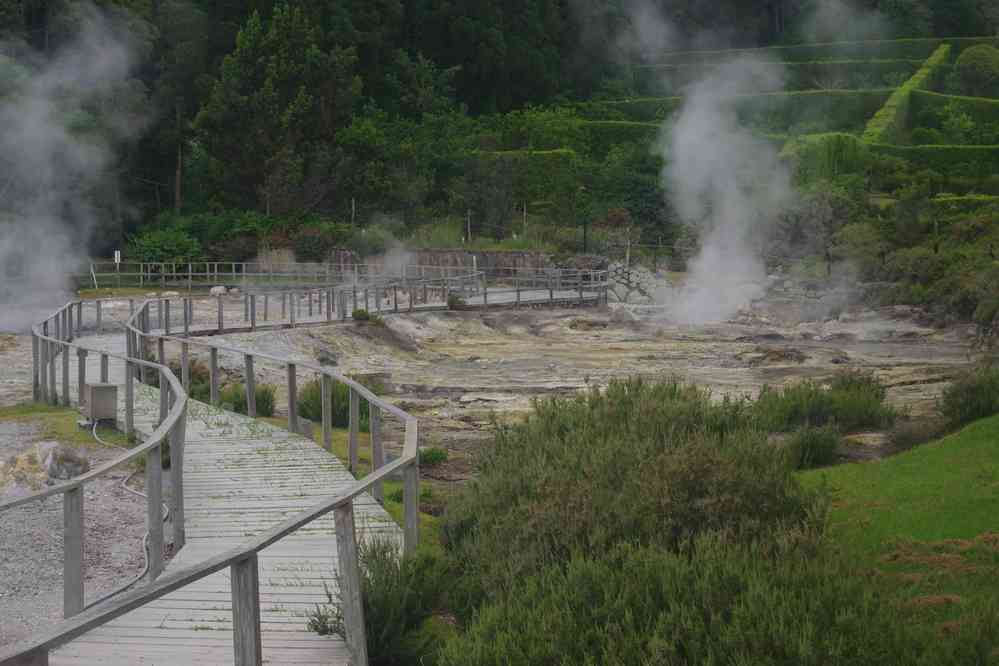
{"points": [[432, 456], [163, 245], [708, 604], [971, 397], [978, 71], [852, 400], [399, 594], [639, 462], [233, 396]]}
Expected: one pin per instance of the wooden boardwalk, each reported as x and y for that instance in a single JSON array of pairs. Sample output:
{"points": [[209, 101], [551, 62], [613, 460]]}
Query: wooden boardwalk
{"points": [[241, 477]]}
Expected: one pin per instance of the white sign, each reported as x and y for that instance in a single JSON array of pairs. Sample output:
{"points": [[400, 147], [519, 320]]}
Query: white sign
{"points": [[117, 256]]}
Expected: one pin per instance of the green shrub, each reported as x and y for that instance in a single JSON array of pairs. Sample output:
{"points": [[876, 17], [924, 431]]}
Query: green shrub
{"points": [[163, 245], [455, 302], [233, 396], [710, 604], [310, 403], [398, 594], [978, 71], [813, 447], [360, 314], [853, 400], [639, 462], [432, 456], [971, 397]]}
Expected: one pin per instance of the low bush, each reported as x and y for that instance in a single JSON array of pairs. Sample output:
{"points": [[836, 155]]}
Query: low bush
{"points": [[432, 456], [310, 403], [708, 604], [360, 314], [654, 463], [163, 245], [978, 71], [971, 397], [455, 302], [852, 400], [233, 396], [399, 594]]}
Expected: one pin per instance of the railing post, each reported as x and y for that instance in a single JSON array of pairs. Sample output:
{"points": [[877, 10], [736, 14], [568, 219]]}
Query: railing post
{"points": [[292, 398], [159, 313], [221, 323], [178, 436], [350, 584], [185, 366], [65, 375], [251, 387], [187, 317], [245, 581], [213, 371], [309, 294], [355, 418], [36, 386], [366, 305], [79, 317], [164, 396], [129, 399], [377, 452], [53, 392], [395, 298], [72, 552], [81, 375], [154, 510], [329, 305], [327, 395], [43, 367], [293, 307], [69, 323], [253, 312], [246, 307], [284, 305], [266, 299], [104, 368], [411, 494], [166, 316]]}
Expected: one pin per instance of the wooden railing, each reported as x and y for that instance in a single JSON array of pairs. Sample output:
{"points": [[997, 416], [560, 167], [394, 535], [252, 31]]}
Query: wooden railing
{"points": [[242, 560], [51, 344]]}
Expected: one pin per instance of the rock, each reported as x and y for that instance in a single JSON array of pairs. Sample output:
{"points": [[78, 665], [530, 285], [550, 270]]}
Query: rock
{"points": [[234, 291], [170, 294], [218, 291], [151, 294], [65, 463]]}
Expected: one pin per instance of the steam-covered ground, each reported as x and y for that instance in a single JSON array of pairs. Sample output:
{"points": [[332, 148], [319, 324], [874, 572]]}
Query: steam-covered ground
{"points": [[456, 369]]}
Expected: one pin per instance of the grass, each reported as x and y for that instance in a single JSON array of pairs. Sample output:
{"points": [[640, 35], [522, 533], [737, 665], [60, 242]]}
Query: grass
{"points": [[925, 518], [60, 424]]}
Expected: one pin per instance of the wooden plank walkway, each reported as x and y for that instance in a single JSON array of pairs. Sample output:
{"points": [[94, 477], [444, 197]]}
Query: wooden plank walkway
{"points": [[241, 476]]}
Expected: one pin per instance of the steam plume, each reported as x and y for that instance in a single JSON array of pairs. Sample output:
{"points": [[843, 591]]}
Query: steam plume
{"points": [[60, 120]]}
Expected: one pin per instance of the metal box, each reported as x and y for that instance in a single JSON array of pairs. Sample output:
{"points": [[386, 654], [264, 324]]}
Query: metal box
{"points": [[101, 402]]}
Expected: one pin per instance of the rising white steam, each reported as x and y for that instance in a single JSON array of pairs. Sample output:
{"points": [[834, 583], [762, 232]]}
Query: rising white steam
{"points": [[729, 185], [60, 119]]}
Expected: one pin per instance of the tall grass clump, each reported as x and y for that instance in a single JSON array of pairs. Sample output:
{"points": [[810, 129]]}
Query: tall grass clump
{"points": [[851, 400], [813, 447], [971, 397], [648, 463], [399, 594]]}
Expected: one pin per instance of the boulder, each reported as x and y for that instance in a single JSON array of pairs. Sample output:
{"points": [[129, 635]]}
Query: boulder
{"points": [[218, 291], [65, 463], [170, 294]]}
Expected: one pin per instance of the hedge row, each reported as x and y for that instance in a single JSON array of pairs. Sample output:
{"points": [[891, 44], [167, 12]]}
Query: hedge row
{"points": [[981, 109], [798, 76], [908, 49], [795, 112], [963, 161], [889, 124]]}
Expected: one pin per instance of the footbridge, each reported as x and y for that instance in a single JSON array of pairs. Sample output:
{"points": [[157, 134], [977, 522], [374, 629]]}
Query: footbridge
{"points": [[261, 521]]}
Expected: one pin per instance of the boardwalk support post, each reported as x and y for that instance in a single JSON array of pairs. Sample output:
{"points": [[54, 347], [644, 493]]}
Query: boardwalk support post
{"points": [[251, 385], [177, 440], [292, 399], [154, 511], [350, 584], [81, 374], [72, 562], [355, 418], [246, 612]]}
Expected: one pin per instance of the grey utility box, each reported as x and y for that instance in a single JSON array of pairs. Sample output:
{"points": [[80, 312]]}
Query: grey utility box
{"points": [[101, 402]]}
